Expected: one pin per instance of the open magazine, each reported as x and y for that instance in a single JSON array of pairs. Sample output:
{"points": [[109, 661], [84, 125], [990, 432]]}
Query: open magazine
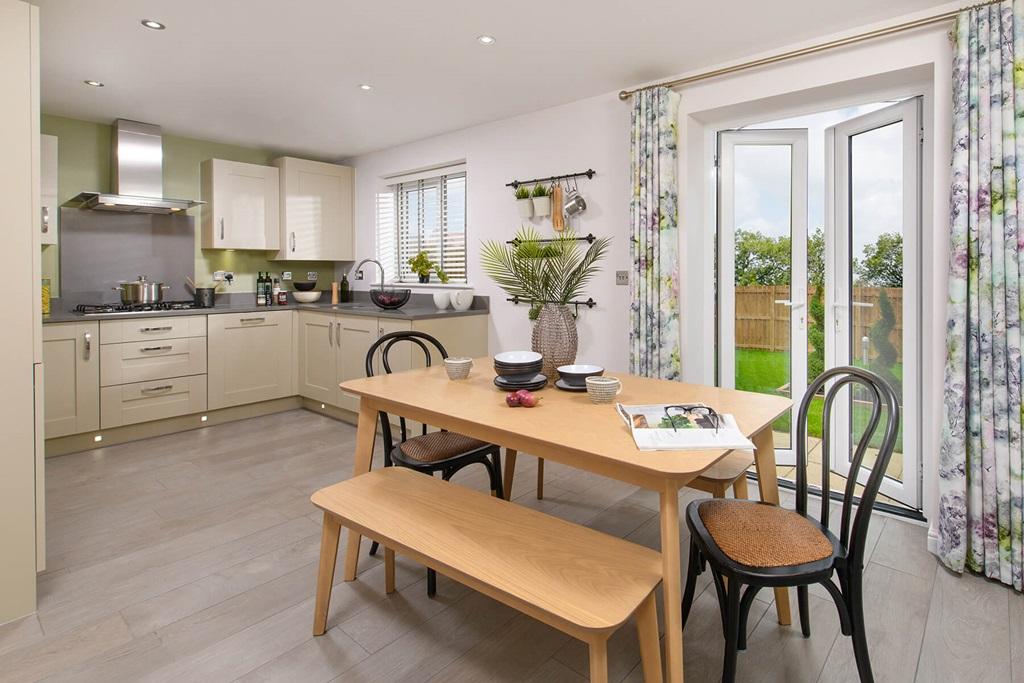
{"points": [[664, 427]]}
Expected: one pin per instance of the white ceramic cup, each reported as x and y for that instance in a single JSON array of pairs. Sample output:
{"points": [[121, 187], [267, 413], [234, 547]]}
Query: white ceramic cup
{"points": [[441, 300], [462, 299], [603, 389], [458, 367]]}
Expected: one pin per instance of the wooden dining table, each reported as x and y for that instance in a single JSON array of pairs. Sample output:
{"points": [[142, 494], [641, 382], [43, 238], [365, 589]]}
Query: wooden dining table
{"points": [[567, 428]]}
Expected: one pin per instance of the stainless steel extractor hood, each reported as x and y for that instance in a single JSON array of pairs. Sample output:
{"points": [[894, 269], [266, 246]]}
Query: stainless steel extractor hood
{"points": [[137, 170]]}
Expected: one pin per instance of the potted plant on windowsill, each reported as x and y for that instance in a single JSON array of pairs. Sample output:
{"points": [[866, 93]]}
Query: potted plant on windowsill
{"points": [[547, 283], [442, 299], [422, 265], [541, 201], [524, 202]]}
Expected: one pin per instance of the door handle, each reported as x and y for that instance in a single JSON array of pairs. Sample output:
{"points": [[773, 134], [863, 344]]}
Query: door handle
{"points": [[46, 219], [166, 328], [787, 302], [222, 228], [337, 335], [330, 334], [164, 387], [252, 320], [87, 343], [293, 242], [156, 348]]}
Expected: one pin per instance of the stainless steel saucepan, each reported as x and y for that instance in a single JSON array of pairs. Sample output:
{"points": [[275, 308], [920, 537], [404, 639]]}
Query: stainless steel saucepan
{"points": [[141, 291]]}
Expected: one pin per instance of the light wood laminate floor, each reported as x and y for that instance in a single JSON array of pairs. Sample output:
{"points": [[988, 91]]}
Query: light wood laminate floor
{"points": [[192, 557]]}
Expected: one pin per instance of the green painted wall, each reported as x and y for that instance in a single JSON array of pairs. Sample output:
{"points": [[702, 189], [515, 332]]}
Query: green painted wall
{"points": [[84, 153]]}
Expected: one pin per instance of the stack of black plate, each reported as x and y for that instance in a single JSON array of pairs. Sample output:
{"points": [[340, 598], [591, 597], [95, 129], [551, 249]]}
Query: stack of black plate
{"points": [[519, 370]]}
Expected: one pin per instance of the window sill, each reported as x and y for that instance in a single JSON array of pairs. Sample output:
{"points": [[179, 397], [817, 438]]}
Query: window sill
{"points": [[431, 285]]}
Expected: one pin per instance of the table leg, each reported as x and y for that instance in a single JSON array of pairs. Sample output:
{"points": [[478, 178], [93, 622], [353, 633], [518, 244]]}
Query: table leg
{"points": [[671, 583], [510, 472], [366, 432], [768, 485]]}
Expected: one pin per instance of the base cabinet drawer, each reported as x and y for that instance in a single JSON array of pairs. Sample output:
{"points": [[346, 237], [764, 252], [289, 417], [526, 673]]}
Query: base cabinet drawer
{"points": [[151, 360], [144, 401], [149, 329]]}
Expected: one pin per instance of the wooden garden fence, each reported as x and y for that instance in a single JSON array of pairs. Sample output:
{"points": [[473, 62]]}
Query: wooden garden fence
{"points": [[761, 323]]}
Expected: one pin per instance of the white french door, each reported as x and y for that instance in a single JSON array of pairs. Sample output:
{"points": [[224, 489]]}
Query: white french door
{"points": [[762, 316], [872, 237]]}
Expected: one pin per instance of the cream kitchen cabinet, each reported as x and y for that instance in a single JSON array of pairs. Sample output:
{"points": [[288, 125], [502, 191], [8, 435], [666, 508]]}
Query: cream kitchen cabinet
{"points": [[242, 209], [50, 217], [316, 211], [250, 358], [71, 366], [318, 361]]}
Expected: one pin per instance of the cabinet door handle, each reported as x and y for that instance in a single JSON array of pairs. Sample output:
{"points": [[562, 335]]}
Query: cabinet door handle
{"points": [[337, 335], [252, 320], [87, 343], [164, 387], [330, 334], [166, 328], [222, 228], [293, 242], [156, 348], [46, 219]]}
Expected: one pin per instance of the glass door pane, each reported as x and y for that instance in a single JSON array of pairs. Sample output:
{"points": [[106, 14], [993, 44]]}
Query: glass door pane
{"points": [[762, 274], [873, 291]]}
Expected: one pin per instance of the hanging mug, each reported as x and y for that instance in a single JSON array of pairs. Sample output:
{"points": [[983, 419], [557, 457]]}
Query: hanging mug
{"points": [[574, 202]]}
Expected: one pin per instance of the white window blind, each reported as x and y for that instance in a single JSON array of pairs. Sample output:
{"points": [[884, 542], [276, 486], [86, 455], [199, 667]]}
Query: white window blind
{"points": [[425, 214]]}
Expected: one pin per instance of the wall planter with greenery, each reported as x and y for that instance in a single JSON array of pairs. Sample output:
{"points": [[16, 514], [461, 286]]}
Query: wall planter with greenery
{"points": [[541, 201], [548, 282], [524, 202]]}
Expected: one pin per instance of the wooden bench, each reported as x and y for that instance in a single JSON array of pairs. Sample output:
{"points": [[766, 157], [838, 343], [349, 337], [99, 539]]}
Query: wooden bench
{"points": [[580, 581]]}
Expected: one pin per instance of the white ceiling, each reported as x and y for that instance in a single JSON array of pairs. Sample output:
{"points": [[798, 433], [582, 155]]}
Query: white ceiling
{"points": [[284, 75]]}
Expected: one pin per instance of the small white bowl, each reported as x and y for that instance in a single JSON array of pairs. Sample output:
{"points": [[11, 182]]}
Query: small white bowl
{"points": [[518, 357], [307, 297], [458, 368]]}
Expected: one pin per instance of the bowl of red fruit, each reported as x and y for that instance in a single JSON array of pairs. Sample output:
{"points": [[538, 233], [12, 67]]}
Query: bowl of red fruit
{"points": [[389, 298]]}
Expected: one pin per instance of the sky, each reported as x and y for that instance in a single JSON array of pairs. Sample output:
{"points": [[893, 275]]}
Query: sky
{"points": [[763, 182]]}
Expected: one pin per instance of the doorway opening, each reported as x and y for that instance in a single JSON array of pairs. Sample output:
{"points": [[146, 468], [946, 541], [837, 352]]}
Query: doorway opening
{"points": [[818, 232]]}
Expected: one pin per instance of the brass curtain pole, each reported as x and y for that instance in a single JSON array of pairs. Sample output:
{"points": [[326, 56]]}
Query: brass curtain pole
{"points": [[812, 49]]}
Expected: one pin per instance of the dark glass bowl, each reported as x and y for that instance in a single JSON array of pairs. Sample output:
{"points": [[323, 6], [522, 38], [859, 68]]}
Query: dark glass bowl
{"points": [[390, 299], [304, 286]]}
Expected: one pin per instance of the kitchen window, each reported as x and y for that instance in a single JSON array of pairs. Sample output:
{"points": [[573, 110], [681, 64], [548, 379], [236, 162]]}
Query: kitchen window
{"points": [[423, 212]]}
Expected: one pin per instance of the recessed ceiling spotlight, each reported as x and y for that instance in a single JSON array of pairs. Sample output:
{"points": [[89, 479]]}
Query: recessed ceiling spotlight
{"points": [[155, 25], [365, 86], [95, 84], [485, 40]]}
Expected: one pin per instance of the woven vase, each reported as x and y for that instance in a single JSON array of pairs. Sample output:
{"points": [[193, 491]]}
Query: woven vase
{"points": [[554, 337]]}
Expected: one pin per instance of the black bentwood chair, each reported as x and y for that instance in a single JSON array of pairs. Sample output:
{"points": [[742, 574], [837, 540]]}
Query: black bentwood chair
{"points": [[752, 545], [444, 452]]}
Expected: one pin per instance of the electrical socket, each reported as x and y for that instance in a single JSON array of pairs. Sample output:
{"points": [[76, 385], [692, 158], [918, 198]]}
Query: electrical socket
{"points": [[312, 275], [358, 275], [286, 275], [622, 277], [222, 275]]}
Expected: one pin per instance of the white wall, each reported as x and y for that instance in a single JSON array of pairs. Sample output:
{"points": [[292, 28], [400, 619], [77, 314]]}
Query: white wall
{"points": [[595, 133], [592, 133]]}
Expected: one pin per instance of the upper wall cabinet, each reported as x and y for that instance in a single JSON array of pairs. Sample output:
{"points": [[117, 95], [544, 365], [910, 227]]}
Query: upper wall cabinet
{"points": [[242, 205], [316, 211], [48, 221]]}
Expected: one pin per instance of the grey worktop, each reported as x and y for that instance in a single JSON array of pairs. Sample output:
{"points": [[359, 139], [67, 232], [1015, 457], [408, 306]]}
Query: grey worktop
{"points": [[420, 307]]}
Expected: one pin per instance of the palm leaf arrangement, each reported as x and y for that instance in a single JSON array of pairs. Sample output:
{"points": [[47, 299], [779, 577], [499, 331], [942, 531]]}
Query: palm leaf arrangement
{"points": [[555, 271]]}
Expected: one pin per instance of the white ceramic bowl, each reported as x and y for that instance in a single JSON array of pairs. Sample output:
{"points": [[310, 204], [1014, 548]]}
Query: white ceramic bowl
{"points": [[458, 368], [462, 299], [307, 297], [518, 357]]}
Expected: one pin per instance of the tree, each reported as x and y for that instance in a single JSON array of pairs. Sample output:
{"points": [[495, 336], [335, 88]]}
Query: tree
{"points": [[761, 260], [886, 354], [816, 306], [882, 262]]}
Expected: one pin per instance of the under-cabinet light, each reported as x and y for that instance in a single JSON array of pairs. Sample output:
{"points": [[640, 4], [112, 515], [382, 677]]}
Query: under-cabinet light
{"points": [[95, 84], [155, 25], [97, 438], [204, 418], [485, 40]]}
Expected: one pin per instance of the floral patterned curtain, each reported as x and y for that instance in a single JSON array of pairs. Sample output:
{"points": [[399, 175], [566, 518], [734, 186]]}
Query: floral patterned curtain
{"points": [[980, 462], [654, 242]]}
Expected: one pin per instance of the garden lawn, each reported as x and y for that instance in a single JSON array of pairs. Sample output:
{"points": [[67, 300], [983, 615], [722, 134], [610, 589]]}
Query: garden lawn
{"points": [[766, 372]]}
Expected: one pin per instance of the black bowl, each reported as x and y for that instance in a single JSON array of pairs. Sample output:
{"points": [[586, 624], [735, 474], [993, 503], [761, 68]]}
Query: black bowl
{"points": [[576, 375], [304, 286], [390, 299]]}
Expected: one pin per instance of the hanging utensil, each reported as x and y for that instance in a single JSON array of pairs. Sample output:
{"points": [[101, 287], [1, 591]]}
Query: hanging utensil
{"points": [[557, 219], [574, 202]]}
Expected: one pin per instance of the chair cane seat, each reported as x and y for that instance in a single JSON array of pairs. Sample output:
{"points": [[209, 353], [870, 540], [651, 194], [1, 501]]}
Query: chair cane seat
{"points": [[437, 446], [763, 535]]}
